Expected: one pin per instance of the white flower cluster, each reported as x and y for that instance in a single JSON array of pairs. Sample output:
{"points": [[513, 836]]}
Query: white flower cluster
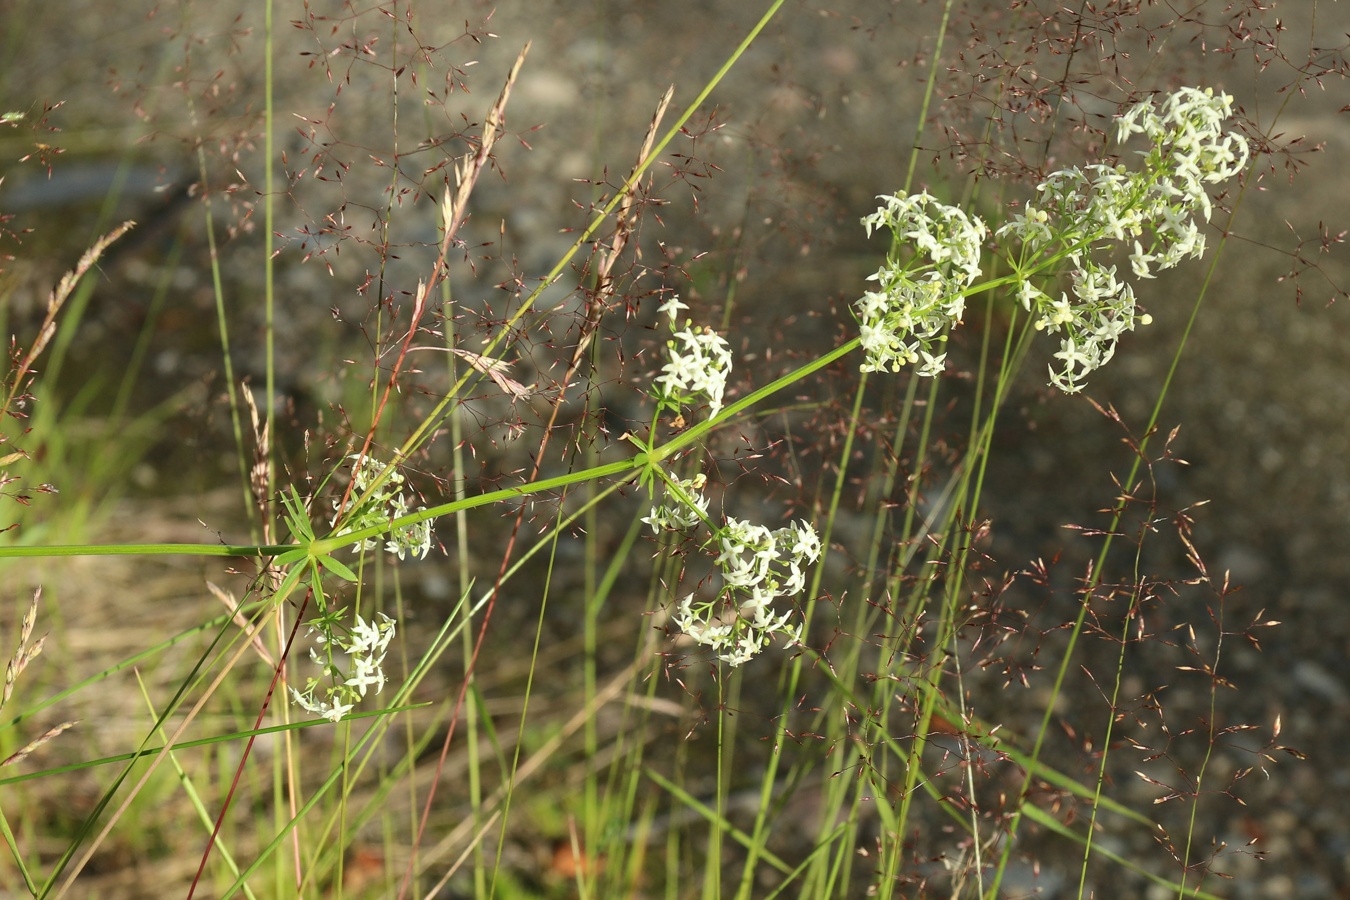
{"points": [[757, 566], [365, 646], [1189, 142], [905, 319], [1152, 210], [383, 506], [699, 364]]}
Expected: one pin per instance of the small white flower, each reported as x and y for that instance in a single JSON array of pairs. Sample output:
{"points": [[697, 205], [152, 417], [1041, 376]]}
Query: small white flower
{"points": [[745, 650], [1139, 261], [336, 711], [672, 308], [805, 541], [1073, 356], [371, 637], [933, 366], [366, 672]]}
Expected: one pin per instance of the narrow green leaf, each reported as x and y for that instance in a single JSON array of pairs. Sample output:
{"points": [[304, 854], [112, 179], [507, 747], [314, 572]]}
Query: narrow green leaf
{"points": [[712, 816], [292, 556], [337, 568]]}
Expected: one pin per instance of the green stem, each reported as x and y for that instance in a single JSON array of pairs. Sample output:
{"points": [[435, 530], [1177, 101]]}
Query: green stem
{"points": [[329, 544]]}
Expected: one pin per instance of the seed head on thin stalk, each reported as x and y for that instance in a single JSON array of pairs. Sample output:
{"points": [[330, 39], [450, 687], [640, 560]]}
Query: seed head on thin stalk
{"points": [[23, 653]]}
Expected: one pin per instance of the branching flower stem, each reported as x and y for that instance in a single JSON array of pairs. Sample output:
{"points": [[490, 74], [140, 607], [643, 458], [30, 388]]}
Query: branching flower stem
{"points": [[650, 455]]}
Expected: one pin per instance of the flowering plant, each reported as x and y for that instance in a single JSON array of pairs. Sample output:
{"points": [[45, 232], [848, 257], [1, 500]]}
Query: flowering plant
{"points": [[364, 645], [1081, 214], [904, 320], [379, 503], [699, 362], [756, 566], [380, 507]]}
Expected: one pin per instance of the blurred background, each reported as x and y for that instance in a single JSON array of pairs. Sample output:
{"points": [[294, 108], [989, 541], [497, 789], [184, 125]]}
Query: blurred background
{"points": [[157, 108]]}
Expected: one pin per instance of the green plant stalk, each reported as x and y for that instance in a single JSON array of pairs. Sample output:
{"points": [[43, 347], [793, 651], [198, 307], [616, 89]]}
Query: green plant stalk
{"points": [[1049, 822], [928, 91], [962, 493], [626, 781], [566, 523], [968, 482], [327, 546], [149, 751], [12, 843], [719, 823], [789, 689], [789, 680], [269, 273], [222, 324], [289, 827], [985, 733], [545, 591], [596, 594], [907, 548], [596, 601], [981, 429], [189, 788], [1116, 688], [550, 747], [977, 844], [1210, 726], [118, 409], [456, 622], [344, 773], [957, 495], [472, 716]]}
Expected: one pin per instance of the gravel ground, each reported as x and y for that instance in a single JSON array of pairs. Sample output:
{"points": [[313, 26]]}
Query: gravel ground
{"points": [[816, 120]]}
